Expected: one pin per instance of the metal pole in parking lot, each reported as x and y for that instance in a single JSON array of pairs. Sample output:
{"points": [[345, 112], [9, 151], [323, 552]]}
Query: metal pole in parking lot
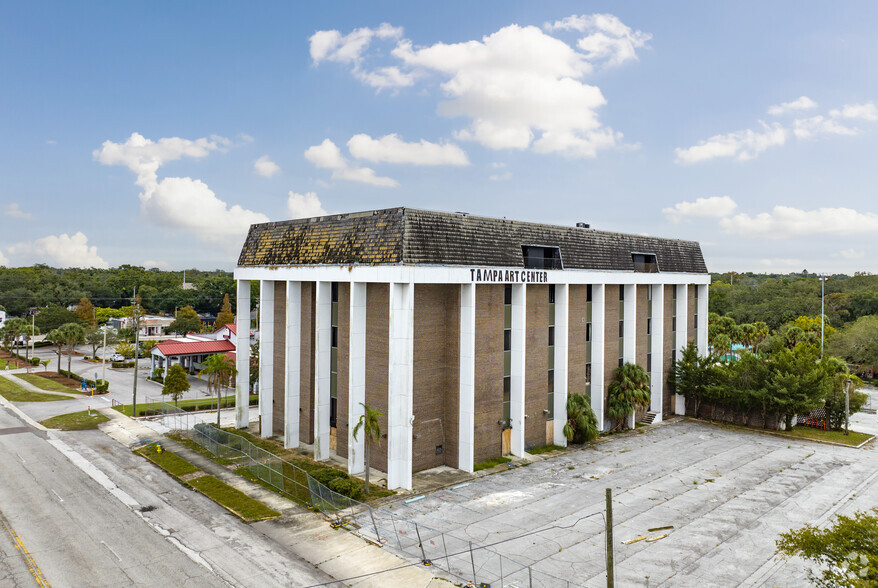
{"points": [[847, 405], [609, 538]]}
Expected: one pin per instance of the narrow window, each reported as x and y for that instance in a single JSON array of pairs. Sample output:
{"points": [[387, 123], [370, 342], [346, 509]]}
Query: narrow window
{"points": [[333, 367], [507, 354], [621, 329]]}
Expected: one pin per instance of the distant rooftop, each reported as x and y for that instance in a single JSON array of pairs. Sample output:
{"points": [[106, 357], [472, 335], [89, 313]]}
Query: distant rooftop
{"points": [[419, 237]]}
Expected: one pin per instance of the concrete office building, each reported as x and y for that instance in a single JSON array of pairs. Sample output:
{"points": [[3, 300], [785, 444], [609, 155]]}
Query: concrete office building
{"points": [[466, 332]]}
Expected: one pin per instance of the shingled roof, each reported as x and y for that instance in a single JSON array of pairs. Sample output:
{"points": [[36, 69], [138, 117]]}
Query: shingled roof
{"points": [[420, 237]]}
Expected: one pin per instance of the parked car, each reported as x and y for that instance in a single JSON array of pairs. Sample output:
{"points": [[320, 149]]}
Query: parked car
{"points": [[117, 357]]}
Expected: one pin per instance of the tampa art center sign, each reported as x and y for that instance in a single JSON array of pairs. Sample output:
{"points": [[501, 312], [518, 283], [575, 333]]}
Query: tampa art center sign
{"points": [[498, 276]]}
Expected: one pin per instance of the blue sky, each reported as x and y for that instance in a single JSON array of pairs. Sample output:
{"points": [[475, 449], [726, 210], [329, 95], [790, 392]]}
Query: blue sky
{"points": [[153, 134]]}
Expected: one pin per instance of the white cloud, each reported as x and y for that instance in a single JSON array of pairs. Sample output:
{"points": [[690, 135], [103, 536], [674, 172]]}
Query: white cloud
{"points": [[609, 38], [162, 265], [498, 164], [349, 49], [800, 103], [785, 221], [4, 261], [51, 142], [15, 211], [180, 203], [742, 145], [61, 250], [327, 155], [265, 167], [304, 205], [817, 126], [500, 177], [714, 206], [867, 111], [518, 86], [392, 149], [850, 254]]}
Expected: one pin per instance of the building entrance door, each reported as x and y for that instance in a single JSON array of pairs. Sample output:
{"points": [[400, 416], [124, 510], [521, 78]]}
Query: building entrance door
{"points": [[506, 442]]}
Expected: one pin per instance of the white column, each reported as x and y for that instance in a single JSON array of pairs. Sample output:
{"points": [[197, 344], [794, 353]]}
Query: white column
{"points": [[517, 368], [467, 395], [702, 311], [399, 400], [561, 334], [242, 356], [656, 375], [266, 355], [680, 343], [293, 358], [356, 376], [598, 319], [629, 332], [322, 365]]}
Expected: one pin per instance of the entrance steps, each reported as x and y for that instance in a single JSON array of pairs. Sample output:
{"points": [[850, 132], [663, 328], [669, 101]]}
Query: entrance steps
{"points": [[648, 418]]}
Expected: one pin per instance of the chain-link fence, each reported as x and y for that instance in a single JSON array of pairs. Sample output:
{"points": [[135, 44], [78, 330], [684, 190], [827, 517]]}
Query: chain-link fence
{"points": [[460, 558]]}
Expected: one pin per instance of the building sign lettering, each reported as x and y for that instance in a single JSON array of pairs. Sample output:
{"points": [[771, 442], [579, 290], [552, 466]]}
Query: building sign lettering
{"points": [[509, 276]]}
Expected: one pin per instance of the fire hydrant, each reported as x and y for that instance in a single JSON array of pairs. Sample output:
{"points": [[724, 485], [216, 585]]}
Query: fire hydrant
{"points": [[158, 448]]}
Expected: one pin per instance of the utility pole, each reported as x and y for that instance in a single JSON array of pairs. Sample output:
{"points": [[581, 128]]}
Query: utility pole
{"points": [[822, 282], [104, 357], [136, 310], [610, 573]]}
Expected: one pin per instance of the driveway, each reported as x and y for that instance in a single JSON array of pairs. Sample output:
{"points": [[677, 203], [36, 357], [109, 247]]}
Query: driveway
{"points": [[726, 494]]}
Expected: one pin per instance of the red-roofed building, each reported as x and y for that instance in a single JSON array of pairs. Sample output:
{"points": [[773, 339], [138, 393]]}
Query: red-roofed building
{"points": [[190, 351]]}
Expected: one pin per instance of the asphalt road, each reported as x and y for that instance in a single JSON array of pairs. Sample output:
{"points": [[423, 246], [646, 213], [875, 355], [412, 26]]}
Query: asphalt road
{"points": [[91, 513]]}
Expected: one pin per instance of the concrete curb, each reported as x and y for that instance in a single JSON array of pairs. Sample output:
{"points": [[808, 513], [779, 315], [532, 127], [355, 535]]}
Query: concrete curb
{"points": [[783, 435]]}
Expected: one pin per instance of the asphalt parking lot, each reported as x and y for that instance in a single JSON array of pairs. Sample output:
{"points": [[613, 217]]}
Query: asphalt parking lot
{"points": [[727, 494]]}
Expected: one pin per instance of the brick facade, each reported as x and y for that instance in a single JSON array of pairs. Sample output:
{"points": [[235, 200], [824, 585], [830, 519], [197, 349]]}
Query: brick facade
{"points": [[670, 341], [279, 358], [306, 364], [576, 344], [377, 354], [488, 371], [344, 336]]}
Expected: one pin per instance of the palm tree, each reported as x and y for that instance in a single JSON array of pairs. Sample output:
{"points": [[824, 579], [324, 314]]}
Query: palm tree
{"points": [[219, 370], [370, 425], [67, 335], [628, 391], [581, 425]]}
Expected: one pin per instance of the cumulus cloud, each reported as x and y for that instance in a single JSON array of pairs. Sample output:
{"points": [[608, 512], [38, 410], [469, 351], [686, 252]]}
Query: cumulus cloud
{"points": [[519, 87], [817, 126], [714, 206], [327, 155], [15, 211], [742, 145], [265, 167], [392, 149], [304, 205], [867, 111], [850, 254], [609, 39], [61, 250], [784, 221], [500, 177], [180, 203], [799, 104], [4, 261], [162, 265], [349, 50]]}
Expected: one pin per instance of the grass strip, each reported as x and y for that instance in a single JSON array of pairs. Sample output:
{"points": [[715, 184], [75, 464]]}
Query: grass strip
{"points": [[189, 443], [190, 404], [854, 438], [75, 421], [15, 393], [232, 499], [170, 462], [45, 383], [494, 461], [544, 449]]}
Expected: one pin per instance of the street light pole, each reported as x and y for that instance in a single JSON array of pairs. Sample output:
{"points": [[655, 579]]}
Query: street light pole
{"points": [[847, 404], [104, 357], [136, 311]]}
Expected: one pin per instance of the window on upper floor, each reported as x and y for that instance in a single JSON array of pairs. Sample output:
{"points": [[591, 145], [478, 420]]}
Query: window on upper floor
{"points": [[645, 262], [541, 257]]}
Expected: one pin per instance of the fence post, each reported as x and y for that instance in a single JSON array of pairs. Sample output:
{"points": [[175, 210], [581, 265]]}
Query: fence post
{"points": [[530, 580], [374, 526], [501, 570], [395, 532], [424, 559], [610, 578], [445, 548]]}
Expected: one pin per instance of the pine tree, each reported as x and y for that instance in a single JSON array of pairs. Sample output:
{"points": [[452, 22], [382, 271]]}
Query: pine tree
{"points": [[225, 316]]}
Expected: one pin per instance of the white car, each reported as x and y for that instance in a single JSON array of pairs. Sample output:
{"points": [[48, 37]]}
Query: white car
{"points": [[117, 357]]}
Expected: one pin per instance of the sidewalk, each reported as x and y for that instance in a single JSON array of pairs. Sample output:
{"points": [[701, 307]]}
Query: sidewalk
{"points": [[335, 551]]}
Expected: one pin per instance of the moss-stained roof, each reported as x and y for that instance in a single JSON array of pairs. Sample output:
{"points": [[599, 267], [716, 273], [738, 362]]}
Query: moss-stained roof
{"points": [[421, 237]]}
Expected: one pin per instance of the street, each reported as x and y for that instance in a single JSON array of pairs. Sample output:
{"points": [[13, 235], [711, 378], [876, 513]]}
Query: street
{"points": [[91, 513]]}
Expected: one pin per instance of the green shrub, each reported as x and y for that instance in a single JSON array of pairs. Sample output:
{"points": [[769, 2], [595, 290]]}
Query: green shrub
{"points": [[347, 487], [325, 476], [35, 361]]}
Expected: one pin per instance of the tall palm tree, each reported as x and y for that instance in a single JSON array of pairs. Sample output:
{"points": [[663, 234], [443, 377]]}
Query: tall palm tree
{"points": [[628, 391], [219, 370], [370, 425], [67, 335]]}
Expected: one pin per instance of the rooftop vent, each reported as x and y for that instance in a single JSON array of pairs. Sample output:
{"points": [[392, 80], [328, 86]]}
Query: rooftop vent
{"points": [[583, 225]]}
